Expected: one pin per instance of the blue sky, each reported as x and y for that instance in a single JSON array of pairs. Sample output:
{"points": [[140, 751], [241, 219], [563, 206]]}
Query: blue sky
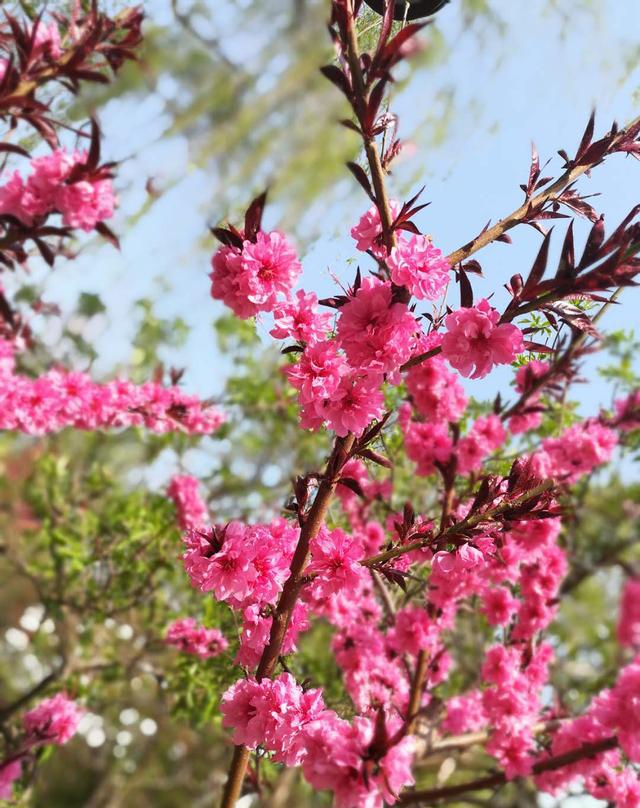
{"points": [[537, 82]]}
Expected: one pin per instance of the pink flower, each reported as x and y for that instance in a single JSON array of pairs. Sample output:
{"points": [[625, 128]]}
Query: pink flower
{"points": [[421, 267], [356, 402], [256, 628], [376, 333], [271, 713], [241, 711], [474, 341], [192, 511], [85, 203], [501, 665], [241, 563], [47, 40], [629, 619], [486, 435], [334, 562], [499, 605], [414, 631], [191, 638], [425, 443], [528, 374], [300, 319], [464, 713], [9, 773], [443, 562], [250, 280], [436, 393], [54, 720], [270, 267], [468, 556], [318, 373], [60, 399], [61, 182], [577, 451], [12, 200], [368, 232]]}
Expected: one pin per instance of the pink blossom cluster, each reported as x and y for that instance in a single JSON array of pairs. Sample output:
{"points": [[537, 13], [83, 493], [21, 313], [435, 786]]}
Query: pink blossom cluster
{"points": [[435, 392], [414, 263], [246, 566], [60, 182], [60, 399], [577, 451], [256, 628], [54, 720], [339, 380], [331, 392], [485, 436], [376, 333], [464, 713], [430, 443], [628, 629], [615, 713], [191, 509], [418, 265], [199, 641], [9, 773], [427, 443], [241, 564], [512, 703], [476, 341], [300, 320], [367, 233], [362, 769], [252, 279]]}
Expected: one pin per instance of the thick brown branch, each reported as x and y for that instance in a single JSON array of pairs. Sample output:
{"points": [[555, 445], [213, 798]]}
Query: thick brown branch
{"points": [[499, 779], [313, 522]]}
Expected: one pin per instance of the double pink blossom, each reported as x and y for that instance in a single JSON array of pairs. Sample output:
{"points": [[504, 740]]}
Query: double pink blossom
{"points": [[419, 266], [300, 320], [254, 278], [191, 638], [475, 341], [628, 629], [54, 720], [376, 333], [60, 182], [367, 233]]}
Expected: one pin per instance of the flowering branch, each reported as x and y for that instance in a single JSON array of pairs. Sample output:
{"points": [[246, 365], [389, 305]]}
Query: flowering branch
{"points": [[311, 524], [458, 528], [589, 156], [494, 780]]}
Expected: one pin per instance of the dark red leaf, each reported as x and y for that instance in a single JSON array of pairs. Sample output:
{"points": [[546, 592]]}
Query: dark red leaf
{"points": [[253, 216], [361, 176], [538, 268], [108, 234]]}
